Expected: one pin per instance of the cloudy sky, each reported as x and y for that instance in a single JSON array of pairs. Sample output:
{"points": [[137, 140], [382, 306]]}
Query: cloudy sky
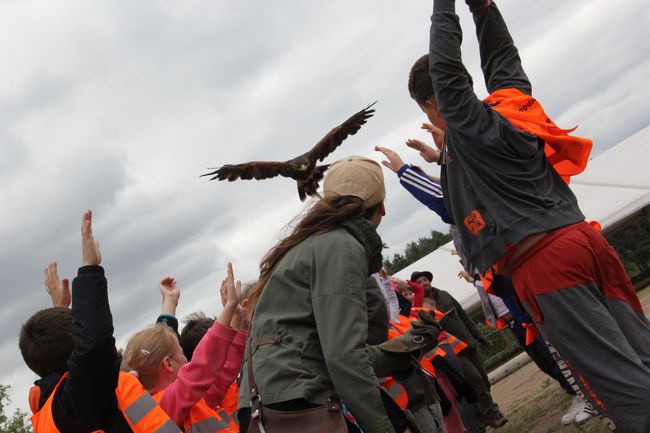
{"points": [[119, 106]]}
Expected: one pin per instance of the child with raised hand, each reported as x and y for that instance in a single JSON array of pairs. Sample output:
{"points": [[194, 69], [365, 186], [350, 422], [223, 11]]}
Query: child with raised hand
{"points": [[156, 356], [73, 351]]}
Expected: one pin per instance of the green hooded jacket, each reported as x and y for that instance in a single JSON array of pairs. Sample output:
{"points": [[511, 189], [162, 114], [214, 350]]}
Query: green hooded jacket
{"points": [[315, 301]]}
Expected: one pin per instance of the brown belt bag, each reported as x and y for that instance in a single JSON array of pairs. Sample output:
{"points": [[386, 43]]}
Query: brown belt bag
{"points": [[323, 419]]}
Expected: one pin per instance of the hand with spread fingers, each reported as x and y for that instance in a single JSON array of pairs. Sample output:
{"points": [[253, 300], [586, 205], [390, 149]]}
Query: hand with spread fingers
{"points": [[58, 289], [394, 162], [90, 253], [437, 134], [428, 153], [466, 276]]}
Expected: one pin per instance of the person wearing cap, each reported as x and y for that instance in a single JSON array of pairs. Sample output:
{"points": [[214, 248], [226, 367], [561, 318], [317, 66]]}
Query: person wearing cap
{"points": [[311, 300], [461, 326]]}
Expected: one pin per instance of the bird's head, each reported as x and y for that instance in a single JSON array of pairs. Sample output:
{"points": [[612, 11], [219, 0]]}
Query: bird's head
{"points": [[302, 164]]}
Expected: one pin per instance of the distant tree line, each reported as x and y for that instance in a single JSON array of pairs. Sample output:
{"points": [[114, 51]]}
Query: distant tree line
{"points": [[18, 422], [632, 243], [415, 250]]}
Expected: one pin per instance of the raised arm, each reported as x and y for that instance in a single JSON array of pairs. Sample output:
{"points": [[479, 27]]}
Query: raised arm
{"points": [[170, 296], [94, 364], [455, 98], [417, 183], [500, 59], [197, 376]]}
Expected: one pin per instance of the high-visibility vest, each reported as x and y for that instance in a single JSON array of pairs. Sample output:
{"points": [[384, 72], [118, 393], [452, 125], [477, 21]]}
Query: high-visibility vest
{"points": [[398, 327], [202, 418], [227, 410], [396, 390], [456, 343], [138, 407], [568, 154]]}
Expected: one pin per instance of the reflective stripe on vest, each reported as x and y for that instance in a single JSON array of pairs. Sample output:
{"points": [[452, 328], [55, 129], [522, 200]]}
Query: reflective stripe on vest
{"points": [[209, 425], [138, 407], [204, 419], [396, 391], [227, 410], [230, 419], [456, 344]]}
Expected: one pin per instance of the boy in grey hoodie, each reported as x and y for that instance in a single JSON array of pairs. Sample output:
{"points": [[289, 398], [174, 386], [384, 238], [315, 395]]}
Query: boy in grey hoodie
{"points": [[517, 216]]}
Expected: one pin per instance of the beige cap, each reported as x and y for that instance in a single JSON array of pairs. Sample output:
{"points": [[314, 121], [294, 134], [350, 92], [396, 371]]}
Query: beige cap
{"points": [[356, 176]]}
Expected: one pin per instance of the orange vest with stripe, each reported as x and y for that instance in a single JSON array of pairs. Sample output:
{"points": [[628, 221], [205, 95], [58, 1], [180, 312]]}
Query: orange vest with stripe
{"points": [[567, 154], [138, 407], [456, 344], [397, 391], [227, 410], [202, 419]]}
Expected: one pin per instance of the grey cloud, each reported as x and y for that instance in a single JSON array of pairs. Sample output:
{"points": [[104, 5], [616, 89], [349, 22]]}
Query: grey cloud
{"points": [[120, 106]]}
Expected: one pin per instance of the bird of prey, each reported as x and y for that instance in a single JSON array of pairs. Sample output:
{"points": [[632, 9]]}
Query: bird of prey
{"points": [[302, 169]]}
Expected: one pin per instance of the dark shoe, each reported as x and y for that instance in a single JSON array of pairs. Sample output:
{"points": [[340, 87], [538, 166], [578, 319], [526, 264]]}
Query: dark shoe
{"points": [[495, 419]]}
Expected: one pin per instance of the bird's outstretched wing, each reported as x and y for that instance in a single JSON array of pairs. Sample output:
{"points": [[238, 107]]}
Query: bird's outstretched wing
{"points": [[250, 170], [335, 137]]}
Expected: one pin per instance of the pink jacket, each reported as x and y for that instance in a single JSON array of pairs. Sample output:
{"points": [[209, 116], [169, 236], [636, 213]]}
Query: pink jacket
{"points": [[215, 364]]}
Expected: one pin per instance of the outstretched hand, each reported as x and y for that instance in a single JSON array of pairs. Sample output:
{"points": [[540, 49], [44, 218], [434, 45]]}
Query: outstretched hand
{"points": [[230, 292], [59, 290], [428, 153], [466, 276], [89, 246], [394, 162], [170, 295], [233, 289], [437, 134]]}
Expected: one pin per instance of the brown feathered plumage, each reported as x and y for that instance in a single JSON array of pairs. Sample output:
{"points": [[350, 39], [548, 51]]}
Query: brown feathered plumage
{"points": [[302, 168]]}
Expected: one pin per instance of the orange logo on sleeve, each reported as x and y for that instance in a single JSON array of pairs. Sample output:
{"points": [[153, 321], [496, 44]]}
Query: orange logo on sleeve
{"points": [[474, 222]]}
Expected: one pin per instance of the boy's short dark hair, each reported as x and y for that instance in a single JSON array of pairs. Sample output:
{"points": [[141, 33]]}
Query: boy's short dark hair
{"points": [[46, 340], [196, 325], [420, 85]]}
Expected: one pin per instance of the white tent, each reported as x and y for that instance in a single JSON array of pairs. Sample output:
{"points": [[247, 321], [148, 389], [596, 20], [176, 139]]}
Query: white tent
{"points": [[614, 186]]}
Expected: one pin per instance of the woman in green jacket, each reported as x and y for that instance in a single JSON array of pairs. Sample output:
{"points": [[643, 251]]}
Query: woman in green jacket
{"points": [[310, 303]]}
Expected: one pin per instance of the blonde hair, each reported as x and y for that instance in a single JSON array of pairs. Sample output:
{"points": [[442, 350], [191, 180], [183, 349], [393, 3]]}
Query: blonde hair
{"points": [[146, 350]]}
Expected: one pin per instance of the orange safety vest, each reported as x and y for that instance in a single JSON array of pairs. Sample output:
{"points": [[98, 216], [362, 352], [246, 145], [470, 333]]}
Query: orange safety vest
{"points": [[202, 419], [396, 390], [398, 327], [567, 154], [227, 410], [138, 407]]}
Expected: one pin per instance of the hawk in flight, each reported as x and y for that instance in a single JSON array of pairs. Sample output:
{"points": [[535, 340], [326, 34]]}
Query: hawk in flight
{"points": [[303, 168]]}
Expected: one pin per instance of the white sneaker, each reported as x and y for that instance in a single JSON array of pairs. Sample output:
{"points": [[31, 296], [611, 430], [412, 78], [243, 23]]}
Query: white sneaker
{"points": [[585, 415], [576, 408]]}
